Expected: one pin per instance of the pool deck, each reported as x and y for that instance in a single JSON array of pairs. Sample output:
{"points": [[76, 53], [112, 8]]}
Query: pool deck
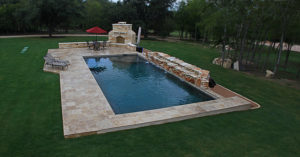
{"points": [[86, 111]]}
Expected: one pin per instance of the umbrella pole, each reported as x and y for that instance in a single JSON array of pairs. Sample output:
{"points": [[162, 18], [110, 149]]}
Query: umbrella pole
{"points": [[96, 36]]}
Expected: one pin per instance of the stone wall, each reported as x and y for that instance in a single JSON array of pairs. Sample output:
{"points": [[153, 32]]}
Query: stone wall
{"points": [[185, 71], [67, 45], [72, 45], [130, 47]]}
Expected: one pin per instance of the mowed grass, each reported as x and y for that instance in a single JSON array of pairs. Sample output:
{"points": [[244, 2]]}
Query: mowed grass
{"points": [[31, 121]]}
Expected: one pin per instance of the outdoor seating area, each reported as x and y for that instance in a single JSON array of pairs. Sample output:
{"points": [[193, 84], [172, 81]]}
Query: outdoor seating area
{"points": [[57, 63], [97, 45]]}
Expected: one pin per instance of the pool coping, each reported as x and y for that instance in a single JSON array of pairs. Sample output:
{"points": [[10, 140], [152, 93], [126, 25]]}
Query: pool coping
{"points": [[86, 111]]}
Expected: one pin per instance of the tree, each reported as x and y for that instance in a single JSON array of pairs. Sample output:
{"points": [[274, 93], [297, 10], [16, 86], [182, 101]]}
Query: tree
{"points": [[149, 14], [180, 18], [52, 13], [7, 22], [286, 13], [292, 35], [159, 14]]}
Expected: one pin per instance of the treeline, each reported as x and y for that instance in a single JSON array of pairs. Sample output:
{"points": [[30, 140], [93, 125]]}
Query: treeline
{"points": [[242, 28], [27, 16]]}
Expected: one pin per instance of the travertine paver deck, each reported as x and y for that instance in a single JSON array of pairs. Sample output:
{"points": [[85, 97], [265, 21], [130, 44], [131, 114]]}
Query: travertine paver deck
{"points": [[85, 109]]}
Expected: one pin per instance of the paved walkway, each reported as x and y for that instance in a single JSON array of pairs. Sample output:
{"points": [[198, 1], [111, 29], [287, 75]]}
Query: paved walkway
{"points": [[226, 93]]}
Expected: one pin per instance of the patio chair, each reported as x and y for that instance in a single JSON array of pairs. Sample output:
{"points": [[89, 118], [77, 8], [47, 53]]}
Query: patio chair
{"points": [[101, 45], [104, 45], [96, 46], [89, 45]]}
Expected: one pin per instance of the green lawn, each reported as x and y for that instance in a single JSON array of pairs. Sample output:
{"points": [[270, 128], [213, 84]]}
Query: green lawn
{"points": [[31, 121]]}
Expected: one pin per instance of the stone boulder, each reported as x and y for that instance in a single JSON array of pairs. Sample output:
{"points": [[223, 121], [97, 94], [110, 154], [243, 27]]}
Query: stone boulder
{"points": [[269, 73], [227, 62]]}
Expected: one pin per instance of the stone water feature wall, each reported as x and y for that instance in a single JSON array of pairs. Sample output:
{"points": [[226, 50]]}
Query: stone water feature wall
{"points": [[185, 71]]}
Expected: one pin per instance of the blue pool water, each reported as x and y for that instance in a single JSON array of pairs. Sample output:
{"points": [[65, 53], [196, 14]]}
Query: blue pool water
{"points": [[131, 84]]}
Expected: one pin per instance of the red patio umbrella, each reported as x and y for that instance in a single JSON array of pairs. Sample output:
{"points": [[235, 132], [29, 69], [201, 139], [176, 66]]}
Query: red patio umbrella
{"points": [[96, 30]]}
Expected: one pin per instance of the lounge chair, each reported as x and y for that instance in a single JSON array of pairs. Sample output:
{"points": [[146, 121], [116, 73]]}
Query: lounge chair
{"points": [[48, 55], [53, 62]]}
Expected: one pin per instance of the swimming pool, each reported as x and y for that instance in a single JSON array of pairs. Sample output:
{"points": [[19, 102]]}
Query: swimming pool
{"points": [[131, 84]]}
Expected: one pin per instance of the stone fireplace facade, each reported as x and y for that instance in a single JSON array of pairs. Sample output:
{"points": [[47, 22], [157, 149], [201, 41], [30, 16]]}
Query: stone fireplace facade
{"points": [[122, 34]]}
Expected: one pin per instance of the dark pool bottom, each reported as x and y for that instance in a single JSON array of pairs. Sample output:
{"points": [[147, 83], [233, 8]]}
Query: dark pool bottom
{"points": [[131, 84]]}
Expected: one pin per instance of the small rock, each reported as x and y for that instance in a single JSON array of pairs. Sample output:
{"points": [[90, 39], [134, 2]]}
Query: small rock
{"points": [[269, 74], [215, 61], [227, 63]]}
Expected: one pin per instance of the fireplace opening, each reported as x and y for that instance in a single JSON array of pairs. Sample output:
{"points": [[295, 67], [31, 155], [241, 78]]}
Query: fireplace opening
{"points": [[120, 40]]}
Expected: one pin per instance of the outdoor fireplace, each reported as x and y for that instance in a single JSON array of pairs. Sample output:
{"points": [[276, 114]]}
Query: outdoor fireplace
{"points": [[122, 34], [120, 39]]}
